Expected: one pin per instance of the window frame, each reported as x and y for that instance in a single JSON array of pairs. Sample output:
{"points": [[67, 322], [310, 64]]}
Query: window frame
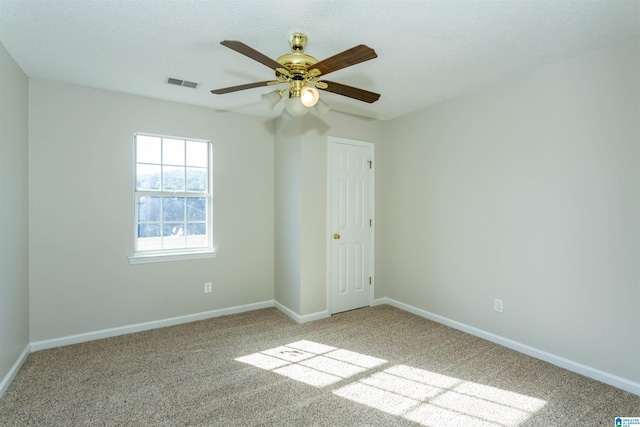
{"points": [[173, 254]]}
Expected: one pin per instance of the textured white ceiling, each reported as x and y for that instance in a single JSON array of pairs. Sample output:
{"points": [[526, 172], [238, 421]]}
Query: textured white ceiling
{"points": [[428, 51]]}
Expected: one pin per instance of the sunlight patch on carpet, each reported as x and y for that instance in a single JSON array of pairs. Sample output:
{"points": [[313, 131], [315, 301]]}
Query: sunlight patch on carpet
{"points": [[307, 375], [432, 399], [312, 363], [425, 397]]}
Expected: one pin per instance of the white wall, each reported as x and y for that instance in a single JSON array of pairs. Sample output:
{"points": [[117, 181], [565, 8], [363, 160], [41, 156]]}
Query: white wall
{"points": [[14, 248], [81, 212], [288, 214], [528, 191], [315, 134], [301, 206]]}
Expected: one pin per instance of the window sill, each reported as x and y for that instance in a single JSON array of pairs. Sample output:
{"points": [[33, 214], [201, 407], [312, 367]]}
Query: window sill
{"points": [[149, 258]]}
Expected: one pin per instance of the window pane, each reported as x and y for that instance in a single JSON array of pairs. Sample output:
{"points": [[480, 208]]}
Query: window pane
{"points": [[147, 177], [197, 235], [197, 179], [148, 210], [173, 152], [149, 237], [147, 149], [173, 209], [172, 178], [197, 154], [175, 229], [173, 236], [148, 230], [199, 229], [196, 209]]}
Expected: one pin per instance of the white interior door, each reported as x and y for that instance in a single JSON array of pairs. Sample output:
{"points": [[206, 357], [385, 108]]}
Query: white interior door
{"points": [[351, 228]]}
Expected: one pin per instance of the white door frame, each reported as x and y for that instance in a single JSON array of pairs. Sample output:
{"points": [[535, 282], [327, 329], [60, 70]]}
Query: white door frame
{"points": [[336, 140]]}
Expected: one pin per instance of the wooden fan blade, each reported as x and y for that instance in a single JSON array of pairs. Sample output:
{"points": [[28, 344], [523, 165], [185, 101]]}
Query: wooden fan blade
{"points": [[349, 57], [240, 87], [251, 53], [351, 92]]}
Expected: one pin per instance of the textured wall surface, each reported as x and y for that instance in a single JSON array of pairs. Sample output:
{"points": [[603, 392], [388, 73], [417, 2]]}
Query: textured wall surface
{"points": [[14, 240], [529, 192], [81, 212]]}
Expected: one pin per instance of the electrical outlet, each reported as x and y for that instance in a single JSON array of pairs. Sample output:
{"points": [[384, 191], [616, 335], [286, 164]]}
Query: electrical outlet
{"points": [[207, 287], [498, 305]]}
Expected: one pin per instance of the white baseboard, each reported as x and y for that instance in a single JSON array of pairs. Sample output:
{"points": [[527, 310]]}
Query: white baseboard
{"points": [[129, 329], [314, 316], [587, 371], [4, 385], [579, 368], [301, 318], [380, 301]]}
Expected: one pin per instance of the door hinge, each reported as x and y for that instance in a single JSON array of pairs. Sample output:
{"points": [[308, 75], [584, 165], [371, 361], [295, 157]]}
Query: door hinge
{"points": [[370, 222], [369, 279], [370, 164]]}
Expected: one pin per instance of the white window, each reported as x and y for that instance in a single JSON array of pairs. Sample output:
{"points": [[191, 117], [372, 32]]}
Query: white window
{"points": [[173, 198]]}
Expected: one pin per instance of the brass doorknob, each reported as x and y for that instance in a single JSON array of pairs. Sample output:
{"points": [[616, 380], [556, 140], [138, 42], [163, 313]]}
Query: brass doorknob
{"points": [[336, 236]]}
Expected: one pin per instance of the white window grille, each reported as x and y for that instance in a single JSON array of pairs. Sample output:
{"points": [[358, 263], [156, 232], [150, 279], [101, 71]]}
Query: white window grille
{"points": [[173, 197]]}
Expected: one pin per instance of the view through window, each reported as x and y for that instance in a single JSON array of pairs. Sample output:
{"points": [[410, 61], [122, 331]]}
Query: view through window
{"points": [[173, 195]]}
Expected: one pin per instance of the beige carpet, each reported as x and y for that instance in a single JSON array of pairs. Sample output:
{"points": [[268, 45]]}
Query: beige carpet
{"points": [[378, 366]]}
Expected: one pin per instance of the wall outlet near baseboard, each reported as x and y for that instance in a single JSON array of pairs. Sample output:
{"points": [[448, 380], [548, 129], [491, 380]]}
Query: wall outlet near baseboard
{"points": [[207, 288], [498, 305]]}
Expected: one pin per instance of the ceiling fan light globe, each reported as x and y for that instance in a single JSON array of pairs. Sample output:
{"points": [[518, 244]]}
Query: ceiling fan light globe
{"points": [[294, 107], [309, 96], [286, 115], [321, 108], [272, 98]]}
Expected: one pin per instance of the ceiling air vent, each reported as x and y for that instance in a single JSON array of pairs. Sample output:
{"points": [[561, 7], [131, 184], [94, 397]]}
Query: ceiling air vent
{"points": [[184, 83]]}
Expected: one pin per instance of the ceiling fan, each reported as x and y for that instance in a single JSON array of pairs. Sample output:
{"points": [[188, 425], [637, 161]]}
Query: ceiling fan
{"points": [[302, 73]]}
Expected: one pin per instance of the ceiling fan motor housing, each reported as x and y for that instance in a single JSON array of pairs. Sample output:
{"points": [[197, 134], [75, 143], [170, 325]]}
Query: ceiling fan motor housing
{"points": [[297, 62], [298, 42]]}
